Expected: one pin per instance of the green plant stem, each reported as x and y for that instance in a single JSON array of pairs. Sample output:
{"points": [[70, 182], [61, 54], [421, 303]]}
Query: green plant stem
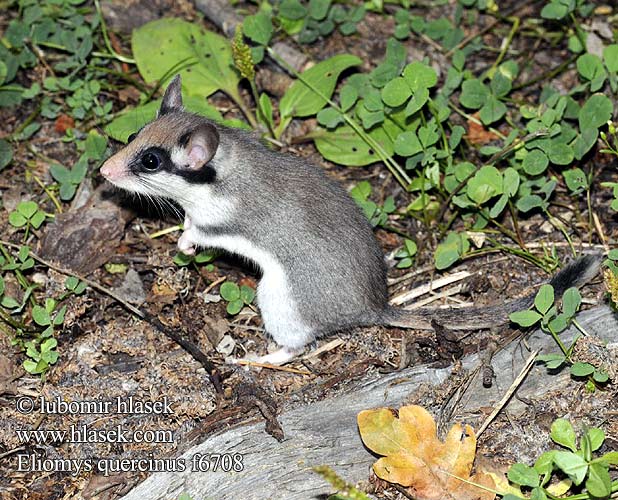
{"points": [[526, 255], [20, 277], [10, 321], [29, 119], [246, 110], [396, 170], [509, 39], [560, 227], [562, 347], [580, 328], [548, 75], [119, 74], [49, 193], [108, 44]]}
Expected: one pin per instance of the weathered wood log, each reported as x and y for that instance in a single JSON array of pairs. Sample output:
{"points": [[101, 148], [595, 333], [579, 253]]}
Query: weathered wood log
{"points": [[326, 432]]}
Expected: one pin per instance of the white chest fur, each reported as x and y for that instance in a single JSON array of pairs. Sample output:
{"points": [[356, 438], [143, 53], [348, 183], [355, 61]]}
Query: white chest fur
{"points": [[277, 305]]}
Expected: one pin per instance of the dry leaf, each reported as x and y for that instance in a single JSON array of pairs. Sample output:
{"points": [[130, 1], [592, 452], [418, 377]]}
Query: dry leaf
{"points": [[63, 123], [414, 457], [477, 133]]}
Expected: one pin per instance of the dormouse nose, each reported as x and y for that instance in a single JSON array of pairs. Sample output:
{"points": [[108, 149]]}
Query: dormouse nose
{"points": [[113, 169]]}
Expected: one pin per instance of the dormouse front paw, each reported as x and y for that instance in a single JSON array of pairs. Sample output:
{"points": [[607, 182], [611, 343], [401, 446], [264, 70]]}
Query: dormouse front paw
{"points": [[186, 244]]}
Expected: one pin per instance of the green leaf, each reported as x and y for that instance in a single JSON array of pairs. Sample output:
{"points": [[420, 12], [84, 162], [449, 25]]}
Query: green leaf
{"points": [[407, 144], [485, 184], [451, 250], [572, 465], [419, 76], [418, 100], [30, 366], [9, 302], [590, 66], [347, 97], [159, 46], [1, 286], [17, 220], [562, 433], [575, 179], [71, 283], [554, 10], [49, 344], [95, 145], [247, 294], [258, 28], [544, 298], [527, 203], [610, 458], [525, 318], [610, 56], [59, 318], [67, 191], [229, 291], [596, 437], [581, 369], [266, 110], [559, 323], [510, 183], [329, 117], [396, 92], [27, 208], [6, 153], [24, 252], [40, 316], [600, 376], [474, 94], [301, 100], [535, 162], [181, 259], [595, 112], [60, 173], [318, 9], [571, 301], [292, 9], [599, 483], [585, 142], [500, 84], [492, 110], [523, 475], [234, 307], [559, 153], [346, 147]]}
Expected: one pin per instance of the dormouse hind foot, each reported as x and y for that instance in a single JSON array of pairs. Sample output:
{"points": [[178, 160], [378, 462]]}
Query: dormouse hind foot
{"points": [[278, 358]]}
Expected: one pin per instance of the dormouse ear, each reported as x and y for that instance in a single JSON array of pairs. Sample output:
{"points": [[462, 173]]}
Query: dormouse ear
{"points": [[202, 145], [172, 99]]}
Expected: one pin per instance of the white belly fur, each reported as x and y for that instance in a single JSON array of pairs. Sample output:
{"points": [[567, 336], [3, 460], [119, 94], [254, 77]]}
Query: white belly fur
{"points": [[279, 311]]}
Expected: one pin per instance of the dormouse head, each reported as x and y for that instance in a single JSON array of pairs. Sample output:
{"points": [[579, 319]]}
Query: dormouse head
{"points": [[168, 156]]}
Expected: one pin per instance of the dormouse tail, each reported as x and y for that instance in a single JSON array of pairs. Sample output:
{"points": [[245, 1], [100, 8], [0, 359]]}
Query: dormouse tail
{"points": [[575, 274]]}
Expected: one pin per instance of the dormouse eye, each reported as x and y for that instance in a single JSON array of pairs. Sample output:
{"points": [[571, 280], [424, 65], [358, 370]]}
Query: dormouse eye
{"points": [[132, 136], [150, 161]]}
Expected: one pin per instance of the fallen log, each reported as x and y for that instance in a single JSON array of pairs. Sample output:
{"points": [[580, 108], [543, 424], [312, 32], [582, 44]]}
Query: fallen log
{"points": [[325, 433]]}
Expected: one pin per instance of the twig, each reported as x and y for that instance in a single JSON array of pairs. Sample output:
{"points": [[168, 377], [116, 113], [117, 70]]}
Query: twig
{"points": [[516, 383], [423, 289], [211, 369], [246, 362]]}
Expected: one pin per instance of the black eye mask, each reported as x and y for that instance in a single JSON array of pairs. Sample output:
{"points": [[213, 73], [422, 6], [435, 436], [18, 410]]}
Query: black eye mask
{"points": [[155, 159]]}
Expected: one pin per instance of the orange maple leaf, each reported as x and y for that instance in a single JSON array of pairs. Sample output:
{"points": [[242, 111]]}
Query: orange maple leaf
{"points": [[414, 457]]}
